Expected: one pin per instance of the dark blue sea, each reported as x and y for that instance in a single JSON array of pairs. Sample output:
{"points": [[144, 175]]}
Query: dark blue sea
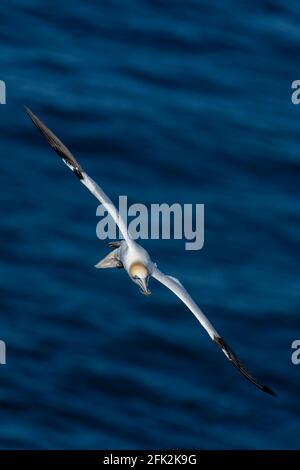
{"points": [[163, 101]]}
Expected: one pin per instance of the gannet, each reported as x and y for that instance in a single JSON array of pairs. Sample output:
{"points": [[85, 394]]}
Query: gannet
{"points": [[131, 256]]}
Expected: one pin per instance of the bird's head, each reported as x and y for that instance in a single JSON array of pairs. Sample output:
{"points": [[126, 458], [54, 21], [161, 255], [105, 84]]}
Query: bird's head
{"points": [[140, 275]]}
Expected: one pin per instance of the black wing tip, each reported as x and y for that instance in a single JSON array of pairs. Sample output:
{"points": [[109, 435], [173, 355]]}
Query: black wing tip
{"points": [[56, 144], [236, 362], [32, 116], [28, 111], [268, 390]]}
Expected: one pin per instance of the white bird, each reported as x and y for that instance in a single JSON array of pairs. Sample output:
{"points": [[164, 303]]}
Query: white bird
{"points": [[134, 258]]}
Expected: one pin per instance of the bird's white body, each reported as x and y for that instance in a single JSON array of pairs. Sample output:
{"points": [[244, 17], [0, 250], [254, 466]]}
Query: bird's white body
{"points": [[133, 257], [133, 253]]}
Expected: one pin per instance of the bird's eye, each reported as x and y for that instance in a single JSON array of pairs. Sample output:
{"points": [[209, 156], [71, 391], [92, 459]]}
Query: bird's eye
{"points": [[135, 277]]}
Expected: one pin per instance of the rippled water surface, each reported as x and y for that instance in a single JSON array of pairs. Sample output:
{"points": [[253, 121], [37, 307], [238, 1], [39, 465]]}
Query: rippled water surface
{"points": [[166, 102]]}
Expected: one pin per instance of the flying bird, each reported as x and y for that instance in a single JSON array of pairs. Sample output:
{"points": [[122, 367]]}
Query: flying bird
{"points": [[134, 258]]}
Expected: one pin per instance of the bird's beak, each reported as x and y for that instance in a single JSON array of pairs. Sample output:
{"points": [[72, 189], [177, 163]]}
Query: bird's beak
{"points": [[143, 283]]}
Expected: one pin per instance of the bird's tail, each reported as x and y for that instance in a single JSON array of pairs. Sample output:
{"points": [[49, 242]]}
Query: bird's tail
{"points": [[110, 261]]}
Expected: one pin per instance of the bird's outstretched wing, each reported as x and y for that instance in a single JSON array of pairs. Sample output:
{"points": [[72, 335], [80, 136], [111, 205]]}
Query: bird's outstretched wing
{"points": [[72, 163], [177, 288]]}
